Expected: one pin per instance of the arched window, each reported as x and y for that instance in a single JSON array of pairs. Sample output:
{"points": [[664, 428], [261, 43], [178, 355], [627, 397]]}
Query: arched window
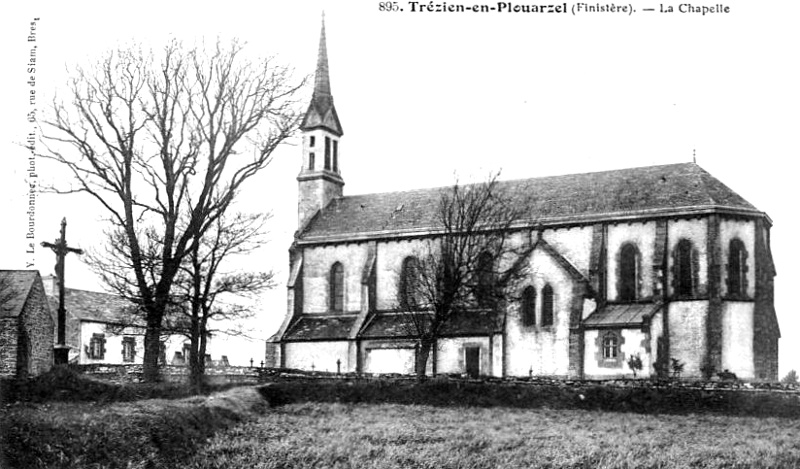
{"points": [[547, 305], [737, 268], [484, 287], [610, 346], [528, 306], [409, 294], [629, 273], [337, 287], [685, 273]]}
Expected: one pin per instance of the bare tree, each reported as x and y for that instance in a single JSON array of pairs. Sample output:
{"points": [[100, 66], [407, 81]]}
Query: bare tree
{"points": [[164, 142], [203, 285], [475, 261]]}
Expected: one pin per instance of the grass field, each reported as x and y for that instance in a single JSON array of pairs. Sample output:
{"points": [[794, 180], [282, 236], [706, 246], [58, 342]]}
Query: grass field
{"points": [[307, 435], [70, 421]]}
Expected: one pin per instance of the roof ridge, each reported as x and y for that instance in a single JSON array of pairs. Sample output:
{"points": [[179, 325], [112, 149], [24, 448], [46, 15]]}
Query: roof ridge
{"points": [[517, 180], [579, 198]]}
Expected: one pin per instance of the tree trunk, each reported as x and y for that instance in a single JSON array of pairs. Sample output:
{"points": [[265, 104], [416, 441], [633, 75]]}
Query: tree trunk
{"points": [[202, 352], [152, 349], [195, 357], [423, 352]]}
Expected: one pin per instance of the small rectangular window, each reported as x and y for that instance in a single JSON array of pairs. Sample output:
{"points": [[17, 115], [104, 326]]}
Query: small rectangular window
{"points": [[312, 140], [187, 350], [128, 349], [311, 158], [97, 347]]}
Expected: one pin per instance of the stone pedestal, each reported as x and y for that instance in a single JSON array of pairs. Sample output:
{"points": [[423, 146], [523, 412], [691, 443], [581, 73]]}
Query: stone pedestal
{"points": [[61, 354]]}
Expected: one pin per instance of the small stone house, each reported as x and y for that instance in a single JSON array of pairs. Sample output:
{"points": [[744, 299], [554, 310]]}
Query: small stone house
{"points": [[100, 329], [664, 263], [26, 325]]}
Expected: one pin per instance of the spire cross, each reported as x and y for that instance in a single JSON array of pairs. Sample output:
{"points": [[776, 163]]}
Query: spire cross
{"points": [[61, 249]]}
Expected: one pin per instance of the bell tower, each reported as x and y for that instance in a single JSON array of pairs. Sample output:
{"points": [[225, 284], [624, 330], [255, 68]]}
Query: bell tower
{"points": [[320, 179]]}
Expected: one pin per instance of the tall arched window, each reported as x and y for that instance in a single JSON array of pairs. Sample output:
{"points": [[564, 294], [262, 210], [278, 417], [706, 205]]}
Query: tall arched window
{"points": [[685, 273], [737, 268], [337, 287], [529, 306], [484, 288], [629, 273], [547, 305], [409, 294]]}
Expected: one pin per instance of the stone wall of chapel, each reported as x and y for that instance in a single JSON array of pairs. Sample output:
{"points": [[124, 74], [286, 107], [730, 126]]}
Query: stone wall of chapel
{"points": [[687, 335], [633, 341], [643, 236], [575, 244], [497, 355], [656, 333], [537, 349], [696, 231], [737, 338], [745, 231], [399, 356], [450, 356], [317, 264], [319, 356], [388, 265]]}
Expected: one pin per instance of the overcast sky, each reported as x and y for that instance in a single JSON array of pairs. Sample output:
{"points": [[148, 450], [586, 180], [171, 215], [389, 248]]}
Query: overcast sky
{"points": [[423, 95]]}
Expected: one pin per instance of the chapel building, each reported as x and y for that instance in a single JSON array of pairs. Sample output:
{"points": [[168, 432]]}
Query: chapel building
{"points": [[664, 262]]}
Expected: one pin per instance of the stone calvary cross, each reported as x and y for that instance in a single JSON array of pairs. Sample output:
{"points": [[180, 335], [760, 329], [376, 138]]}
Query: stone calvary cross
{"points": [[61, 351]]}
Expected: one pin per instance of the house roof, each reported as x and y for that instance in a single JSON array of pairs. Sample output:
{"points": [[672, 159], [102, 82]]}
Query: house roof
{"points": [[319, 327], [95, 306], [574, 198], [15, 286], [621, 315]]}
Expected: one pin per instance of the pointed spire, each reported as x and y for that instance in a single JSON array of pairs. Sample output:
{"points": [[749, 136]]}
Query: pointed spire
{"points": [[321, 112], [322, 81]]}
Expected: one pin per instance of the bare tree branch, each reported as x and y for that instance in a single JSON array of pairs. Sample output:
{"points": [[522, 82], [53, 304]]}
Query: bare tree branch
{"points": [[475, 263], [158, 139]]}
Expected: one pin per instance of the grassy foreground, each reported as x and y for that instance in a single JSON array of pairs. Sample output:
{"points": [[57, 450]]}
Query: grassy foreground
{"points": [[70, 421], [313, 435], [141, 434]]}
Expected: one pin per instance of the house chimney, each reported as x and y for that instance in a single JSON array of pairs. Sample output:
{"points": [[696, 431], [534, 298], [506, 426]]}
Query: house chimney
{"points": [[50, 285]]}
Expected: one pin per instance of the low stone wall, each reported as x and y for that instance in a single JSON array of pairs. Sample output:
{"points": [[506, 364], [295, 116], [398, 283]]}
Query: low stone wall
{"points": [[253, 375], [169, 373], [271, 374]]}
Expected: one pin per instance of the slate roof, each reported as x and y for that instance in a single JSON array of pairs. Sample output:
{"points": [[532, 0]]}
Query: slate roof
{"points": [[621, 315], [16, 286], [94, 306], [391, 324], [574, 198], [318, 327]]}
